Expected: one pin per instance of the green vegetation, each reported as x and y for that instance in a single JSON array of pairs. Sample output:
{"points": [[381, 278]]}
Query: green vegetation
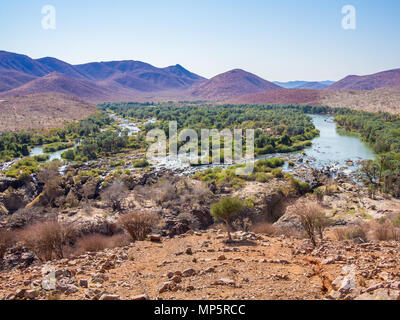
{"points": [[382, 132], [142, 163], [278, 128], [225, 209], [56, 146], [18, 144], [104, 143], [23, 168], [264, 171]]}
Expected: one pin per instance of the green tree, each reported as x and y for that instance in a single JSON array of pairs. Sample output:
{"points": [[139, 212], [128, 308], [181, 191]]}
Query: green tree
{"points": [[225, 209]]}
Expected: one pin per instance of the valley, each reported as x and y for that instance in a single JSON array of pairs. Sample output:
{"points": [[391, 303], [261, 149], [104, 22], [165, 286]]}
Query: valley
{"points": [[119, 214]]}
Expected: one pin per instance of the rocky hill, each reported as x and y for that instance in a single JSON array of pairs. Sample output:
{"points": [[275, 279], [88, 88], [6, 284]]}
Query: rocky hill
{"points": [[231, 84], [385, 79]]}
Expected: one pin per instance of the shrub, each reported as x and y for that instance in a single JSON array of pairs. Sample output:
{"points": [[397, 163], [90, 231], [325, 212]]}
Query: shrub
{"points": [[385, 231], [225, 209], [6, 241], [312, 219], [350, 233], [140, 163], [48, 240], [41, 157], [189, 218], [299, 186], [138, 224], [51, 178], [114, 195]]}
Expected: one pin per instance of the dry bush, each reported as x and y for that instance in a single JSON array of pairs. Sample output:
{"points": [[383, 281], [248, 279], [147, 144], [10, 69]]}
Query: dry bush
{"points": [[312, 219], [98, 242], [114, 195], [354, 233], [164, 191], [48, 240], [6, 241], [384, 231], [190, 219], [138, 224], [264, 228], [340, 233], [51, 179]]}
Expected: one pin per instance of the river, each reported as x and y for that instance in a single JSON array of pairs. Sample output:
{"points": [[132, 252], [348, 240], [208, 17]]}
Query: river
{"points": [[332, 148]]}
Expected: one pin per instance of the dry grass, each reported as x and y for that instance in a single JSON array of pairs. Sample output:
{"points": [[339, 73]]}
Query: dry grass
{"points": [[48, 240], [98, 242], [264, 228], [138, 224], [384, 231]]}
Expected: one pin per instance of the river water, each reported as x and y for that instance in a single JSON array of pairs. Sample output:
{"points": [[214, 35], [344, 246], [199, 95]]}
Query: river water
{"points": [[334, 147]]}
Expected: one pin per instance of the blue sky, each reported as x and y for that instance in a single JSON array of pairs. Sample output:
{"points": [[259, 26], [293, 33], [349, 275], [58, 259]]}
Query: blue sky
{"points": [[277, 40]]}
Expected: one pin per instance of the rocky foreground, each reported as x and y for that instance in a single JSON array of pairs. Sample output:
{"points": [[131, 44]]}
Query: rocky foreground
{"points": [[200, 265]]}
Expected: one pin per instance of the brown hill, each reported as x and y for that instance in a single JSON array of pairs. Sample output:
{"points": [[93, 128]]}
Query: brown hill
{"points": [[41, 111], [10, 79], [231, 84], [385, 79], [56, 82]]}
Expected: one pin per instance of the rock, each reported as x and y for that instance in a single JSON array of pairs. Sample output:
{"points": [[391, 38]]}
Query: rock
{"points": [[31, 294], [107, 296], [141, 297], [374, 287], [99, 278], [337, 283], [176, 279], [348, 285], [221, 257], [20, 293], [189, 251], [225, 282], [168, 286], [329, 260], [188, 273], [209, 270], [334, 295], [380, 294], [83, 283], [155, 238]]}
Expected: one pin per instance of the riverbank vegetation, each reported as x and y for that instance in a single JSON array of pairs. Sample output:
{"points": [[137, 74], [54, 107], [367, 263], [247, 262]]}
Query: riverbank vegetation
{"points": [[382, 132], [18, 144]]}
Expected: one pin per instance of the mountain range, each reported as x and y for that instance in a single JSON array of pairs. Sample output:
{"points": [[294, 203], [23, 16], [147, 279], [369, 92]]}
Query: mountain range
{"points": [[137, 81], [316, 85]]}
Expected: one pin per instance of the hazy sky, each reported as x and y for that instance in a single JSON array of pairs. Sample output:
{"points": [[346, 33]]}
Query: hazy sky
{"points": [[277, 40]]}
